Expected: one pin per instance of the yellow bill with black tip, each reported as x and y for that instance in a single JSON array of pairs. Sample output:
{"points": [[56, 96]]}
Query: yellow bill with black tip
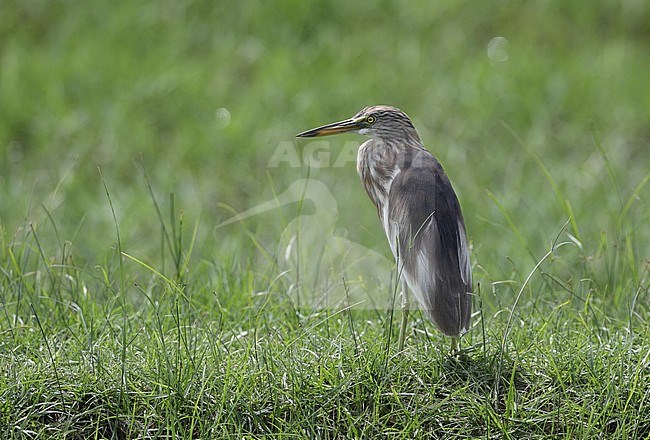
{"points": [[334, 128]]}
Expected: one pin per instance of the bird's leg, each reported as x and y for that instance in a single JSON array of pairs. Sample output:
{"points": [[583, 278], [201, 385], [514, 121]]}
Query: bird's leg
{"points": [[454, 345], [405, 315]]}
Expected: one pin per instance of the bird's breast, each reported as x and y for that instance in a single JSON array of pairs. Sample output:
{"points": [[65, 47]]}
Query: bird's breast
{"points": [[377, 166]]}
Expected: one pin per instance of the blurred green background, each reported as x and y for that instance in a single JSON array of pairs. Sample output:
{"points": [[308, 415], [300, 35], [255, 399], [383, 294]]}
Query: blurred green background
{"points": [[538, 110]]}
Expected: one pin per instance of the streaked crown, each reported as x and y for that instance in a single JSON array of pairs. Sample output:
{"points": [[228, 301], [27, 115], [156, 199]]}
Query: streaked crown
{"points": [[387, 123]]}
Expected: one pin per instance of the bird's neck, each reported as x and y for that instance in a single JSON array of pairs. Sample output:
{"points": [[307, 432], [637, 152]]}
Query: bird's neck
{"points": [[378, 162]]}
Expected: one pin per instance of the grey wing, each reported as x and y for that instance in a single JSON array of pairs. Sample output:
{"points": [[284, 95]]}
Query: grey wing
{"points": [[427, 223]]}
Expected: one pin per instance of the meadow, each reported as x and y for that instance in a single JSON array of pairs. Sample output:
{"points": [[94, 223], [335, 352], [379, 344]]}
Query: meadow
{"points": [[136, 303]]}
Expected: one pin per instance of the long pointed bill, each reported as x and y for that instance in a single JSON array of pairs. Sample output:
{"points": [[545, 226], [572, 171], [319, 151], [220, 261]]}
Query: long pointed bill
{"points": [[334, 128]]}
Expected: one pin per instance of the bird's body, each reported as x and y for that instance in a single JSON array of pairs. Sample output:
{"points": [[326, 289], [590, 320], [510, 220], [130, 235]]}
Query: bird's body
{"points": [[419, 211]]}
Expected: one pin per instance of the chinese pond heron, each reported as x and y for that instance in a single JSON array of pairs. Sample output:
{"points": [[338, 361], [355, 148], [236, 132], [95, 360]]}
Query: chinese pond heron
{"points": [[420, 214]]}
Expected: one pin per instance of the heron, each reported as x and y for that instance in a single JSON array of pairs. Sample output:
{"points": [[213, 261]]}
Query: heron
{"points": [[420, 214]]}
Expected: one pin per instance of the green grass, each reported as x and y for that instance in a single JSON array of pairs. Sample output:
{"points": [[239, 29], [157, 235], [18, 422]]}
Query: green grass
{"points": [[128, 310]]}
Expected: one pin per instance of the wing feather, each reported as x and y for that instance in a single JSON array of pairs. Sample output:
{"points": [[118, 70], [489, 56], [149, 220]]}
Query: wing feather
{"points": [[425, 219]]}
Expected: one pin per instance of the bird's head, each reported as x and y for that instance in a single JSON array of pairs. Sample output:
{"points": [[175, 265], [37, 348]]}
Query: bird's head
{"points": [[378, 121]]}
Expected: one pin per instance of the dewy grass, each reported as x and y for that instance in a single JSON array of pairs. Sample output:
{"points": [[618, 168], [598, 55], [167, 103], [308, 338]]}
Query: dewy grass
{"points": [[194, 362]]}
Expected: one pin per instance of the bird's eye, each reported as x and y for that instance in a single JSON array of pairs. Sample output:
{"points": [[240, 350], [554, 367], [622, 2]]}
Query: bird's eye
{"points": [[371, 119]]}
